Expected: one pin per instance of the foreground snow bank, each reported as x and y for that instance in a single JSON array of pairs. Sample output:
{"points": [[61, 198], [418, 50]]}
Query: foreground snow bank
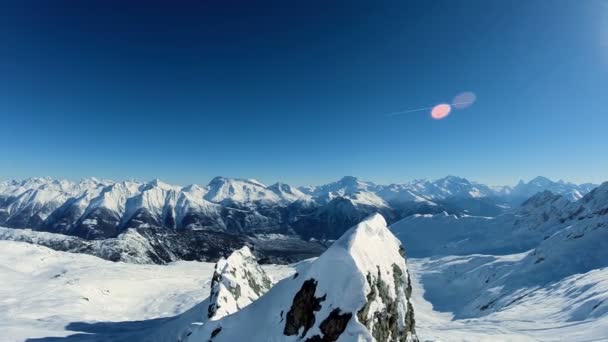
{"points": [[358, 290]]}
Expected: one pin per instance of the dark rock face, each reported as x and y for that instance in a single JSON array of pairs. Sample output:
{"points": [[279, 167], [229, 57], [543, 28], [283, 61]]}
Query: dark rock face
{"points": [[332, 327], [100, 223], [301, 315], [385, 323], [216, 331], [64, 218], [143, 218], [212, 309], [192, 245]]}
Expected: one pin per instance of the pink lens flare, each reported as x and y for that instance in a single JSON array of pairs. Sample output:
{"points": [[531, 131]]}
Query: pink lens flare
{"points": [[464, 100], [440, 111]]}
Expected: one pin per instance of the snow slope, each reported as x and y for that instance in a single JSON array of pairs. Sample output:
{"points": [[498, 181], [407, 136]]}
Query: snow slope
{"points": [[512, 232], [43, 291], [558, 284], [47, 293], [558, 312], [42, 296]]}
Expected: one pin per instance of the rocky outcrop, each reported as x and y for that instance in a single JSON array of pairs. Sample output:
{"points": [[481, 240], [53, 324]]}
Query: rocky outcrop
{"points": [[236, 283], [358, 290], [301, 315]]}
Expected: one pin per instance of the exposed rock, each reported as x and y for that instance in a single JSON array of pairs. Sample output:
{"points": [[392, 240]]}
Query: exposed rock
{"points": [[236, 283], [301, 315], [332, 327]]}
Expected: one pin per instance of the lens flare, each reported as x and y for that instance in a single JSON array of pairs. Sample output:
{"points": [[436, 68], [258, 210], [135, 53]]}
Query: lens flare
{"points": [[464, 100], [440, 111]]}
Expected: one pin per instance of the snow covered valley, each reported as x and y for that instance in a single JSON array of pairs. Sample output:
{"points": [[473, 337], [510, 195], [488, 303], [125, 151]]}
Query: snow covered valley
{"points": [[56, 296], [47, 295]]}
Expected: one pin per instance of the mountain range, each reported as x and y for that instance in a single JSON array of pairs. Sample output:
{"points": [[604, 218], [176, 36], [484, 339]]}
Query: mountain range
{"points": [[164, 222]]}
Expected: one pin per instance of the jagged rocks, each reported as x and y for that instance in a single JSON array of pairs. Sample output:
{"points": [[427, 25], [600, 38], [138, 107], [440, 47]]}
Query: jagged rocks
{"points": [[395, 320], [236, 283]]}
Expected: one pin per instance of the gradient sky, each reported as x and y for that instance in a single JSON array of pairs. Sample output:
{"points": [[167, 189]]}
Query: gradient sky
{"points": [[299, 91]]}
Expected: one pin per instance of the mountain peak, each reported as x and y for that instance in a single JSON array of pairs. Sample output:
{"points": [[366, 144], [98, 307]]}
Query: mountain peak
{"points": [[540, 180], [157, 183], [217, 180], [349, 180], [454, 179], [237, 281], [360, 288]]}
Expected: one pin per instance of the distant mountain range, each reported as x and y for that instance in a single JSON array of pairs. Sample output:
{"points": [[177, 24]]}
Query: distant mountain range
{"points": [[243, 209]]}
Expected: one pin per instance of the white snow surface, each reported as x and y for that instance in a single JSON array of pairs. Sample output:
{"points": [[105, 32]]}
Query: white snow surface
{"points": [[43, 291]]}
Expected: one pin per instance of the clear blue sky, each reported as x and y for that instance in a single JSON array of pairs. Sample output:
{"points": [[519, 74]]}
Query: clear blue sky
{"points": [[299, 91]]}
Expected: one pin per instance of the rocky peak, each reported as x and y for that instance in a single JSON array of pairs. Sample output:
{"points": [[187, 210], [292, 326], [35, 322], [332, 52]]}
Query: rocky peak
{"points": [[541, 181], [358, 290], [236, 283]]}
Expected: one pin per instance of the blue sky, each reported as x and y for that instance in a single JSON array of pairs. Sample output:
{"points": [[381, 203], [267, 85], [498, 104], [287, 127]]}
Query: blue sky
{"points": [[300, 91]]}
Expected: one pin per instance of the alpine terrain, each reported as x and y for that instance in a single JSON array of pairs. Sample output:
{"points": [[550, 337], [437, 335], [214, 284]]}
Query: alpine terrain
{"points": [[156, 222]]}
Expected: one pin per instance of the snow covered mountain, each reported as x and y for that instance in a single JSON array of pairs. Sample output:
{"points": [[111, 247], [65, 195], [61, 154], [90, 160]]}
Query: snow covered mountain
{"points": [[551, 252], [358, 290], [523, 190], [98, 209], [512, 232]]}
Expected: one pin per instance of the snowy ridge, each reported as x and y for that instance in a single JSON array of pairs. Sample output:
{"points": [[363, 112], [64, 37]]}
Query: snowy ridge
{"points": [[358, 290]]}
